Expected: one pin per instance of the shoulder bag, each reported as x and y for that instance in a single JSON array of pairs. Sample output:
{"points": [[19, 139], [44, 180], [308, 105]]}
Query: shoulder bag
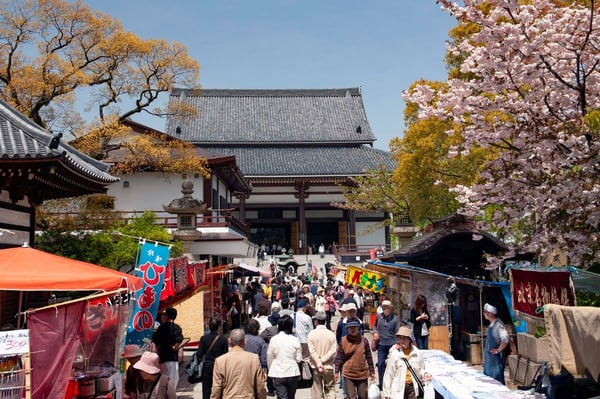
{"points": [[194, 368]]}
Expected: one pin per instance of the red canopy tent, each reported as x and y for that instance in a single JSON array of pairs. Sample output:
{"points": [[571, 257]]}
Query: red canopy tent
{"points": [[28, 269], [57, 326]]}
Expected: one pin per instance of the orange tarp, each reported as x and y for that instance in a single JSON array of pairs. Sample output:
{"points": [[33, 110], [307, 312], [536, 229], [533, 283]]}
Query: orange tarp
{"points": [[28, 269]]}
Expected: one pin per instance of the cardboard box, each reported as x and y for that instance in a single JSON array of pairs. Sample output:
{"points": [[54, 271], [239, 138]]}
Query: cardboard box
{"points": [[522, 370], [535, 349]]}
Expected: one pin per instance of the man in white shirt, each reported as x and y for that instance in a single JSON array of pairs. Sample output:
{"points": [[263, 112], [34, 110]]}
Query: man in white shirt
{"points": [[303, 325]]}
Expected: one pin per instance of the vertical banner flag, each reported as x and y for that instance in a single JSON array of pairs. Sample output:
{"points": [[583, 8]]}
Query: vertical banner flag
{"points": [[151, 269]]}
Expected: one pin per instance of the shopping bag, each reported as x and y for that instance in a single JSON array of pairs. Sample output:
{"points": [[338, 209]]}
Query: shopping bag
{"points": [[306, 375], [374, 392], [429, 391], [193, 369]]}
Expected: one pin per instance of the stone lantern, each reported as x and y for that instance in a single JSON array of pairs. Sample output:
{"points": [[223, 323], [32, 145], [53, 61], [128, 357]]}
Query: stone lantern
{"points": [[186, 208]]}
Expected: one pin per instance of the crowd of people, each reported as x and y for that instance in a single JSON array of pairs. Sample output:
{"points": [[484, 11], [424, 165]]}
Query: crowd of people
{"points": [[263, 356]]}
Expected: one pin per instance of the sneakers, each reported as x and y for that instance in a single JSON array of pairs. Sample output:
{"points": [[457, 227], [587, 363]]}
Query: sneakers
{"points": [[270, 393]]}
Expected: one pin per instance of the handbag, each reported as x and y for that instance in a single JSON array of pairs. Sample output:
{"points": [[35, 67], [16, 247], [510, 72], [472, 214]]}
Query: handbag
{"points": [[306, 375], [374, 344], [194, 368]]}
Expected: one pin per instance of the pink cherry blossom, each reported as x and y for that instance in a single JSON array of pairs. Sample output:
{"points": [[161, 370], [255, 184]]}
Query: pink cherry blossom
{"points": [[537, 68]]}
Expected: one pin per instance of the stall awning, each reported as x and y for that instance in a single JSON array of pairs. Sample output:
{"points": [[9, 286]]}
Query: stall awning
{"points": [[28, 269], [248, 270], [403, 267]]}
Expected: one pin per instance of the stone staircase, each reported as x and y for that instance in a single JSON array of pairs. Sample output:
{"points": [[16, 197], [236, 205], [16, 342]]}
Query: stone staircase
{"points": [[316, 260]]}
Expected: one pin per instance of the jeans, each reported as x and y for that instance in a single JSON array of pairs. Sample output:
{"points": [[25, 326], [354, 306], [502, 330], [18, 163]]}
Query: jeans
{"points": [[382, 353], [422, 342]]}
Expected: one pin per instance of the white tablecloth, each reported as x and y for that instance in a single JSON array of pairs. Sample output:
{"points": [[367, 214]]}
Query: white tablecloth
{"points": [[454, 379]]}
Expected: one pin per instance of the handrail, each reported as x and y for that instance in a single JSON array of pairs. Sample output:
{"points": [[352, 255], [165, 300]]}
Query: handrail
{"points": [[213, 218]]}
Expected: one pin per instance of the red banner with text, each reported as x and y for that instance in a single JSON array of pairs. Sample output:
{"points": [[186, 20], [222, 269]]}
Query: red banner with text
{"points": [[533, 289]]}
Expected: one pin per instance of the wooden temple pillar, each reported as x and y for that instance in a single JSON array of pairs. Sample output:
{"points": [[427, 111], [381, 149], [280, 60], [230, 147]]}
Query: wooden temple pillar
{"points": [[301, 194], [242, 197], [352, 229]]}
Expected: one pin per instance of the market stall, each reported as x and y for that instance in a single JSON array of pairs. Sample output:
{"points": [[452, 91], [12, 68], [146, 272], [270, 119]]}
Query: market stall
{"points": [[74, 335], [455, 304], [453, 379]]}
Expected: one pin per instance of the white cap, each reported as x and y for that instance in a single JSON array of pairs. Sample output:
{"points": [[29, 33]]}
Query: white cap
{"points": [[489, 308], [275, 305]]}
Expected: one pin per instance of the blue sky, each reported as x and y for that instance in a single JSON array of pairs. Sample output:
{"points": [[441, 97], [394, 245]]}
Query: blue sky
{"points": [[382, 46]]}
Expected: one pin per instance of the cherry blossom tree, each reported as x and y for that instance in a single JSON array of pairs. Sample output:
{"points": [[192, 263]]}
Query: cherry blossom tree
{"points": [[529, 92]]}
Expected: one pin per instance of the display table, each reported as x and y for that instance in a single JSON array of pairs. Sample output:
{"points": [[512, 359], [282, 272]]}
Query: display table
{"points": [[454, 379]]}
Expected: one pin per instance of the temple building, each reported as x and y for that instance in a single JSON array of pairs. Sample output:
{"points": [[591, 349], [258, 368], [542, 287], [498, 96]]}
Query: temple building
{"points": [[296, 148]]}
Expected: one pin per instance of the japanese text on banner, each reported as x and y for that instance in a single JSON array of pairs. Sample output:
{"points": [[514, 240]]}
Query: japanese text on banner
{"points": [[151, 268], [534, 289]]}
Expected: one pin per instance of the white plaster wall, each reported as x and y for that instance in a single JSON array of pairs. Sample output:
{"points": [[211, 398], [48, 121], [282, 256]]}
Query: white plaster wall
{"points": [[150, 191]]}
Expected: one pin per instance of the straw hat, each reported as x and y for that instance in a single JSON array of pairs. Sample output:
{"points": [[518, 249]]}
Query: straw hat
{"points": [[132, 351], [149, 363]]}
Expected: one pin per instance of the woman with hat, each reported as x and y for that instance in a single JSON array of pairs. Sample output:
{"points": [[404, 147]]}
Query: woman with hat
{"points": [[398, 380], [355, 362], [132, 354], [153, 384], [320, 300]]}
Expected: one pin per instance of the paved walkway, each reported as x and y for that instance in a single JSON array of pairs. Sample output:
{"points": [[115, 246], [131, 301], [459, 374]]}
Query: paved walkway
{"points": [[186, 390]]}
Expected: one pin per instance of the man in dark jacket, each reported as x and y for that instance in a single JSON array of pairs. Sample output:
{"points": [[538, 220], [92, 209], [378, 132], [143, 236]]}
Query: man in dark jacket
{"points": [[210, 347], [167, 339]]}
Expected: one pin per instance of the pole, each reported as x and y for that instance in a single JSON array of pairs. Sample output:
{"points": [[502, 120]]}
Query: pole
{"points": [[20, 308], [481, 343]]}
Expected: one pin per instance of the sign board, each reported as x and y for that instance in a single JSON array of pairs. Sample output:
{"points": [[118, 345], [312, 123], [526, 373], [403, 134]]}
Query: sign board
{"points": [[14, 342], [367, 279], [532, 289]]}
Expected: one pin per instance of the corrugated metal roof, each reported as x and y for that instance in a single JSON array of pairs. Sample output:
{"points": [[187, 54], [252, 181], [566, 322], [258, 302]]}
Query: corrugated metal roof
{"points": [[271, 116], [306, 160]]}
